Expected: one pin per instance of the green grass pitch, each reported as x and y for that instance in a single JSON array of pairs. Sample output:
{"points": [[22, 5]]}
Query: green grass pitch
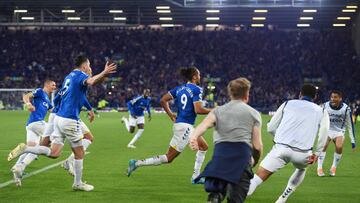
{"points": [[105, 168]]}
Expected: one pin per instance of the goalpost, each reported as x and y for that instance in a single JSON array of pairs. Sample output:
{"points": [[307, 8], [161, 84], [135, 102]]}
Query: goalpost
{"points": [[11, 98]]}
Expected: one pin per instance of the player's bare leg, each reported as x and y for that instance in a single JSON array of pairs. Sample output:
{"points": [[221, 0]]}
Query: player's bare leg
{"points": [[260, 176], [136, 136], [45, 141], [153, 161], [295, 180], [320, 171], [339, 142], [200, 157]]}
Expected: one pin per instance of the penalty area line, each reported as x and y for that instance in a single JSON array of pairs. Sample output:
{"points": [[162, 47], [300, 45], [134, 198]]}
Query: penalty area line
{"points": [[2, 185]]}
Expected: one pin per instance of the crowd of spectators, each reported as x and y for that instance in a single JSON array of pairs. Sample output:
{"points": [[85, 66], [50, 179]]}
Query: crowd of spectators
{"points": [[277, 62]]}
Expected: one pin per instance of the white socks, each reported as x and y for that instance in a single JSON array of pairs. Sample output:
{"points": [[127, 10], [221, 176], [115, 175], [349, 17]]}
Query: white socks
{"points": [[153, 161], [21, 158], [337, 158], [78, 169], [137, 136], [200, 157], [39, 150], [321, 159], [85, 143], [127, 125], [295, 180], [254, 182], [28, 159]]}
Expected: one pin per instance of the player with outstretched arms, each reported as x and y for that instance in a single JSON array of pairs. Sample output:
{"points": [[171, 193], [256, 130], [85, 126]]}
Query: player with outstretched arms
{"points": [[340, 119], [294, 126], [38, 103], [136, 107], [188, 100], [66, 122]]}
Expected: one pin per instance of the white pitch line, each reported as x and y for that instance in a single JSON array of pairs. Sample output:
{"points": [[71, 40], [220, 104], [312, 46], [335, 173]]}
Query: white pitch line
{"points": [[2, 185]]}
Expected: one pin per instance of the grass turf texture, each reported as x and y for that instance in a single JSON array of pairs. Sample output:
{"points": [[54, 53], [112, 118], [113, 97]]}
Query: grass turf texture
{"points": [[105, 168]]}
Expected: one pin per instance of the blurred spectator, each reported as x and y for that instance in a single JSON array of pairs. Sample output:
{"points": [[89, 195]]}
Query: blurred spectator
{"points": [[276, 62]]}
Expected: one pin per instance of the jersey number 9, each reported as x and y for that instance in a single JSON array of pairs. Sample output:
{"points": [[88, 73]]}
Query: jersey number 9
{"points": [[183, 100]]}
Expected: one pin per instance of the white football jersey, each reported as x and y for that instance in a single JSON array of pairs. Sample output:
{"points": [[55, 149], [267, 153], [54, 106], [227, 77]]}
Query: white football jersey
{"points": [[340, 119]]}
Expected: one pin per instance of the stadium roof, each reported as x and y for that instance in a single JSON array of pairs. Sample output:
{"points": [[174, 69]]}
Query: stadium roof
{"points": [[282, 13]]}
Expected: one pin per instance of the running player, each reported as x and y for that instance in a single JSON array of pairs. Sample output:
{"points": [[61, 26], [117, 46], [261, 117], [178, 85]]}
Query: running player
{"points": [[66, 122], [188, 100], [340, 119], [136, 107], [295, 125], [38, 103]]}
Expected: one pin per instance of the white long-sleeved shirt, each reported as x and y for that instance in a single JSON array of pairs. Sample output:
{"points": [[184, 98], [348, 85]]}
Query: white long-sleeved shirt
{"points": [[296, 124]]}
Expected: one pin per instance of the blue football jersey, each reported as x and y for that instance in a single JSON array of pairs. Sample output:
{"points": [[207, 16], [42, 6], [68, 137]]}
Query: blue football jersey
{"points": [[42, 104], [138, 104], [72, 93], [185, 96]]}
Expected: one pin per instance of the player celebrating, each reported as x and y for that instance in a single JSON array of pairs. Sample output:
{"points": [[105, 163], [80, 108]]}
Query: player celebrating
{"points": [[136, 107], [38, 103], [66, 122], [340, 118], [188, 100], [295, 125]]}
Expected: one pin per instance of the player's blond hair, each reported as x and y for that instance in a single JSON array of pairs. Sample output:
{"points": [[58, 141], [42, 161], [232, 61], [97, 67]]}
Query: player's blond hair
{"points": [[239, 88]]}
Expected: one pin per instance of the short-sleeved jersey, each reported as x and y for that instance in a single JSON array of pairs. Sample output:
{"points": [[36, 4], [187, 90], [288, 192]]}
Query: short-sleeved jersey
{"points": [[73, 92], [138, 104], [42, 104], [185, 96], [57, 101]]}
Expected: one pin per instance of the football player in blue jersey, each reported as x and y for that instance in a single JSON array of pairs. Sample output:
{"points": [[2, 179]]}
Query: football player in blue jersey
{"points": [[188, 100], [136, 107], [38, 103], [66, 122]]}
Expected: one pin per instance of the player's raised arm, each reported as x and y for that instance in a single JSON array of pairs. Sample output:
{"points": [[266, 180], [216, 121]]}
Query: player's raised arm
{"points": [[200, 130], [109, 68], [27, 100], [164, 102], [350, 126], [276, 119]]}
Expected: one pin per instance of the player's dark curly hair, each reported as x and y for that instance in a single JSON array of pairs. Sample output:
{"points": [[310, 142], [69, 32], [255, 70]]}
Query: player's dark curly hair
{"points": [[309, 90], [80, 59], [188, 73]]}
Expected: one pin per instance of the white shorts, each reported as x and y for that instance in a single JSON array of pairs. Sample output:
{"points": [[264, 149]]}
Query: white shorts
{"points": [[334, 134], [180, 139], [69, 129], [34, 131], [49, 128], [280, 155], [136, 121], [84, 128]]}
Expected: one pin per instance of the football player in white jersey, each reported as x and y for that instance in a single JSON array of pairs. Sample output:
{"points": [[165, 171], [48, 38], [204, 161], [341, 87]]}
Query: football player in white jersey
{"points": [[340, 119]]}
